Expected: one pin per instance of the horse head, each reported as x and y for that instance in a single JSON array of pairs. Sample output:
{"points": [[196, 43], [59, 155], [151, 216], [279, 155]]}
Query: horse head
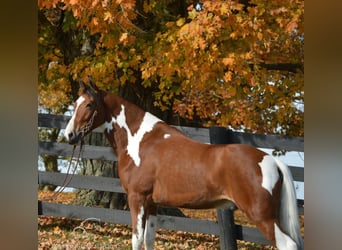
{"points": [[88, 113]]}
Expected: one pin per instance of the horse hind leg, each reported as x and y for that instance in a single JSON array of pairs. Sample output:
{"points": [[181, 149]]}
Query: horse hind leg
{"points": [[283, 241], [150, 227], [266, 217], [274, 234]]}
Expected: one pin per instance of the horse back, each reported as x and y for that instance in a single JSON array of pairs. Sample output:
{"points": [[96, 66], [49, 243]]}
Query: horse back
{"points": [[185, 173]]}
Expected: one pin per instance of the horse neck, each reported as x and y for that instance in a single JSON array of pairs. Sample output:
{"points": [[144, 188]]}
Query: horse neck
{"points": [[119, 111]]}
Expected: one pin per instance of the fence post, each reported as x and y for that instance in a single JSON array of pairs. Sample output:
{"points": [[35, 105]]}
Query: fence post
{"points": [[227, 229]]}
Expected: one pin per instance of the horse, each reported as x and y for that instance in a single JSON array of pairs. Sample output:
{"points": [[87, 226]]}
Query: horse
{"points": [[159, 165]]}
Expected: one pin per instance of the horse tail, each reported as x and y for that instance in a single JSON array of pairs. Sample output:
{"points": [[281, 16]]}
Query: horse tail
{"points": [[289, 221]]}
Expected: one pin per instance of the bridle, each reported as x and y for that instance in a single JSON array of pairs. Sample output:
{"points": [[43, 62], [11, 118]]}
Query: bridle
{"points": [[89, 124]]}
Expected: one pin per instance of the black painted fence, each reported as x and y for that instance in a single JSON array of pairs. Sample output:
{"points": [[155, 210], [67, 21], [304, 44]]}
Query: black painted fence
{"points": [[225, 227]]}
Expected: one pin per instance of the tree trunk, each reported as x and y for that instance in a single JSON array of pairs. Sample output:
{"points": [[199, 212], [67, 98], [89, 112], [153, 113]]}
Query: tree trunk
{"points": [[51, 165], [100, 168], [50, 161]]}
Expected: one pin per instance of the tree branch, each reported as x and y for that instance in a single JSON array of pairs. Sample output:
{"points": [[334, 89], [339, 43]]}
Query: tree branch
{"points": [[291, 67]]}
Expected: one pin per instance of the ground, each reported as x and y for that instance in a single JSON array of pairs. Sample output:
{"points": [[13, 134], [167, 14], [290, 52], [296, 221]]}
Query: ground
{"points": [[67, 234]]}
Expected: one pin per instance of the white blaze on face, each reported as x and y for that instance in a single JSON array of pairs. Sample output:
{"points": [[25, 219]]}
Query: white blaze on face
{"points": [[133, 145], [71, 126], [166, 136], [269, 172]]}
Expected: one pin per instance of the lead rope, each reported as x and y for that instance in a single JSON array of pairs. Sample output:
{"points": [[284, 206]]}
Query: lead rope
{"points": [[65, 181]]}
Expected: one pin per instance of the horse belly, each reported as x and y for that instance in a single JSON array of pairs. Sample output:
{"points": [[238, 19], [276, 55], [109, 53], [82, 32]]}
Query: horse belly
{"points": [[194, 201], [185, 194], [185, 177]]}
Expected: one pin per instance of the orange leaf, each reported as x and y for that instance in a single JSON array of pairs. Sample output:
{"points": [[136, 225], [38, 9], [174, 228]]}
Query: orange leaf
{"points": [[291, 26], [180, 22], [228, 61], [228, 76], [123, 37], [73, 2], [232, 91]]}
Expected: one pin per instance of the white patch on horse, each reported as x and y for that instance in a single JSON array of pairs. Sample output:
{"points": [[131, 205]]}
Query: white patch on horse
{"points": [[269, 172], [137, 239], [147, 124], [283, 241], [167, 136], [107, 125], [71, 126]]}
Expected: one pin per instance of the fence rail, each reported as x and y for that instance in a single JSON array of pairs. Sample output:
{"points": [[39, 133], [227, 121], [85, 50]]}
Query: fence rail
{"points": [[113, 184]]}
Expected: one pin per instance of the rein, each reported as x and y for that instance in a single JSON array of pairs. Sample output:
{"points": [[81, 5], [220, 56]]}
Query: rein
{"points": [[66, 181]]}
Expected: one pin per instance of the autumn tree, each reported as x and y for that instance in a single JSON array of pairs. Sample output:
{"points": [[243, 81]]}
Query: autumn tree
{"points": [[233, 66], [220, 62], [238, 64]]}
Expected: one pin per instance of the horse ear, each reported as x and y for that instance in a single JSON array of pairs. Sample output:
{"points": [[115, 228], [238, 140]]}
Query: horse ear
{"points": [[93, 85], [82, 85]]}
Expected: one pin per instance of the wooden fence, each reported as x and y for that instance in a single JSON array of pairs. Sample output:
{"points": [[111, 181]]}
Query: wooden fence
{"points": [[225, 227]]}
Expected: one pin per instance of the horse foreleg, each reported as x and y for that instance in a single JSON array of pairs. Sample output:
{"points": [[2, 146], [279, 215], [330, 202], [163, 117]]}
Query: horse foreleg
{"points": [[150, 227], [138, 221]]}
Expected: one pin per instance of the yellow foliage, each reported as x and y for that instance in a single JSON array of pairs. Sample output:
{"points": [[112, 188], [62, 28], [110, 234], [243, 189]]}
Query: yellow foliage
{"points": [[210, 63], [180, 22]]}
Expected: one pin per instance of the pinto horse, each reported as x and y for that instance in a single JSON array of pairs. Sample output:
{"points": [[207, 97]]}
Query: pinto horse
{"points": [[158, 165]]}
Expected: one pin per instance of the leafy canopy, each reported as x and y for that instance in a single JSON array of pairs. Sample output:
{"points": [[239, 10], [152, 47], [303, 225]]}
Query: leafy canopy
{"points": [[218, 62]]}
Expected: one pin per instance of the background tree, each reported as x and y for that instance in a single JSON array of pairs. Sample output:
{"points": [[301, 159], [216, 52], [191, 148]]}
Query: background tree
{"points": [[229, 63], [233, 66]]}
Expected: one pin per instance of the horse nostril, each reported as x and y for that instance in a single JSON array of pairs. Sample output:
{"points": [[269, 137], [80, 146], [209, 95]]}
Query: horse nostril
{"points": [[71, 135]]}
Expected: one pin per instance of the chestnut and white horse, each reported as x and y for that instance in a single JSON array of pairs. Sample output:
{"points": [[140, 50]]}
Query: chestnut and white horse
{"points": [[158, 165]]}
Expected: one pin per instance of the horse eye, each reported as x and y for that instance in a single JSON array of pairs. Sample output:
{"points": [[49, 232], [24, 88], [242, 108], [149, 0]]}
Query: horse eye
{"points": [[89, 106]]}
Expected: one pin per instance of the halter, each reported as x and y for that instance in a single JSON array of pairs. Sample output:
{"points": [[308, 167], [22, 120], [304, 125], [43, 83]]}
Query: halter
{"points": [[89, 124]]}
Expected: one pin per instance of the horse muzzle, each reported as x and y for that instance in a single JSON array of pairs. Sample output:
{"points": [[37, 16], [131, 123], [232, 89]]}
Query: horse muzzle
{"points": [[73, 137]]}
